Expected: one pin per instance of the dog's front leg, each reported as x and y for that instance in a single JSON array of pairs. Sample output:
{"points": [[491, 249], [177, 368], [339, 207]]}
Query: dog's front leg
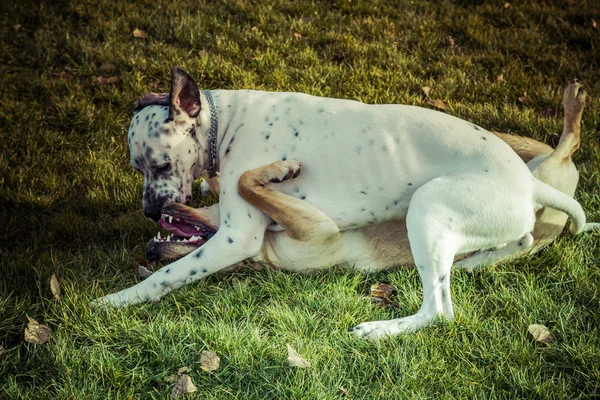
{"points": [[240, 236]]}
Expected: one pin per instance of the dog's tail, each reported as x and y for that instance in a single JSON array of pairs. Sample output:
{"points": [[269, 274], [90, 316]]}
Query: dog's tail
{"points": [[546, 195]]}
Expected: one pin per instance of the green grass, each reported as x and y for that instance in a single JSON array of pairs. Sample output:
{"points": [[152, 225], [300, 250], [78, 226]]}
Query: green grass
{"points": [[71, 205]]}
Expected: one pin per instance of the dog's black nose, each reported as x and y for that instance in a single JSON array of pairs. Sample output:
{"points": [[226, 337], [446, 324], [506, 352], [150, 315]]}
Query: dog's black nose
{"points": [[151, 255], [152, 212]]}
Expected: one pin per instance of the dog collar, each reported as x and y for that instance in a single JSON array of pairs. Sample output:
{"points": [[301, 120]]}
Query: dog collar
{"points": [[212, 134]]}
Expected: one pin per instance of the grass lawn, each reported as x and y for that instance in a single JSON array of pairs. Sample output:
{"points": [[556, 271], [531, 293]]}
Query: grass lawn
{"points": [[70, 204]]}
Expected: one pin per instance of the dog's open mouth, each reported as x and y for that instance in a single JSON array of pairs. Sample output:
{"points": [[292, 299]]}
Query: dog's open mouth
{"points": [[184, 230]]}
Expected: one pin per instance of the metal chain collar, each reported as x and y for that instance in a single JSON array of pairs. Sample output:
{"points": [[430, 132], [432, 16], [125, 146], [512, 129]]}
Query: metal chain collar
{"points": [[212, 134]]}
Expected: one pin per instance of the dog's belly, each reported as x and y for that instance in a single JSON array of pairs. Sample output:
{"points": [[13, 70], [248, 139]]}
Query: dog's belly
{"points": [[361, 163]]}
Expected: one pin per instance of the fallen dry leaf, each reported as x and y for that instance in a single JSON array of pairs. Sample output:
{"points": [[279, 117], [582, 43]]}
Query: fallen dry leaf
{"points": [[295, 360], [594, 24], [17, 27], [107, 67], [55, 287], [540, 333], [140, 34], [297, 35], [337, 57], [500, 78], [524, 98], [426, 90], [450, 42], [63, 75], [548, 113], [100, 80], [36, 333], [439, 104], [183, 386], [183, 370], [506, 5], [383, 290], [210, 361]]}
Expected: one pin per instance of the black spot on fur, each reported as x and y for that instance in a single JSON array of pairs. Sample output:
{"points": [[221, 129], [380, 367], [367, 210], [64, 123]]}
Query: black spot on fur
{"points": [[204, 270], [442, 278], [303, 197], [199, 253], [484, 138], [193, 272], [163, 283], [167, 270], [409, 184], [363, 192], [283, 158], [230, 240], [476, 128]]}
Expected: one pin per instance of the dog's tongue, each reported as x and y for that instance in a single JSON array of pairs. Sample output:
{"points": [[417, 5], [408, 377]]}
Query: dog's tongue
{"points": [[177, 229]]}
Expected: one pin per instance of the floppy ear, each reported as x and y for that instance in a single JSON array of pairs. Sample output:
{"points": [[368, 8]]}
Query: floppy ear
{"points": [[152, 99], [185, 96]]}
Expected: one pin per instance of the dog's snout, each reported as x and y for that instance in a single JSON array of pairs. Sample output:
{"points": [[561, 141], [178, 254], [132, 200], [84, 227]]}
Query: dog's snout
{"points": [[151, 254], [152, 212]]}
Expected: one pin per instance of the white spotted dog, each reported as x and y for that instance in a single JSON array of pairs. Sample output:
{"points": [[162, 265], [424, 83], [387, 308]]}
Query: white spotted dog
{"points": [[311, 240], [460, 187]]}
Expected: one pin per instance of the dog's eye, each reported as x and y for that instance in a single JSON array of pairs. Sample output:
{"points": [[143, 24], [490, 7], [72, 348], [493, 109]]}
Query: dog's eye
{"points": [[164, 168]]}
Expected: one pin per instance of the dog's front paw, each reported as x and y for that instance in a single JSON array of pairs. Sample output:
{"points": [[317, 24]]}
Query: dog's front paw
{"points": [[284, 170], [574, 96], [123, 298], [393, 327]]}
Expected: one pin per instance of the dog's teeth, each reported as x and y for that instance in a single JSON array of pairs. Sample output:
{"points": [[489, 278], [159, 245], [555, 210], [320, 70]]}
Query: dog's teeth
{"points": [[170, 219], [158, 236], [168, 238]]}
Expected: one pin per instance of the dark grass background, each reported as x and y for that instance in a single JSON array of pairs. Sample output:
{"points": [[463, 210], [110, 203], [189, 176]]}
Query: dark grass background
{"points": [[71, 205]]}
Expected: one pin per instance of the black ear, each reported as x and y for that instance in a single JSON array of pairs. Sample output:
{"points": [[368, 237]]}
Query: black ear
{"points": [[152, 99], [185, 96]]}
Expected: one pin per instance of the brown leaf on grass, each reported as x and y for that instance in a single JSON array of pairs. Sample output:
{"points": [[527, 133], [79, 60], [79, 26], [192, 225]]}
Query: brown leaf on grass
{"points": [[140, 34], [63, 75], [55, 287], [297, 35], [183, 370], [143, 269], [154, 84], [107, 67], [183, 386], [17, 27], [210, 361], [548, 113], [426, 90], [36, 333], [338, 57], [540, 333], [383, 290], [500, 78], [439, 104], [204, 53], [383, 302], [594, 24], [101, 81], [449, 41], [506, 5], [295, 359], [524, 98]]}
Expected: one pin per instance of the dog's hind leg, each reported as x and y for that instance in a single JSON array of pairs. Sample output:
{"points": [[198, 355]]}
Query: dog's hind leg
{"points": [[300, 220], [442, 222]]}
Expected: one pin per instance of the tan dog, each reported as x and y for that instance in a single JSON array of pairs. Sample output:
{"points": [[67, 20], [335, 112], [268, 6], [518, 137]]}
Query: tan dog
{"points": [[309, 239]]}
